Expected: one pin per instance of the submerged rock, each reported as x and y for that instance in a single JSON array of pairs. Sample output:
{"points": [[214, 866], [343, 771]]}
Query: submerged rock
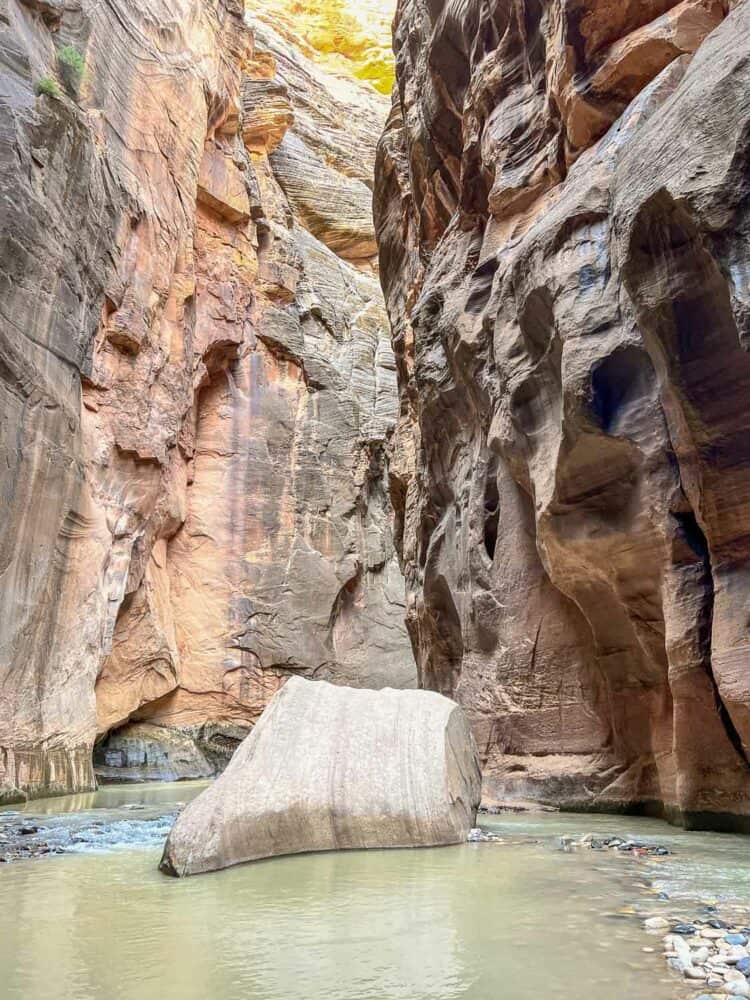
{"points": [[329, 768]]}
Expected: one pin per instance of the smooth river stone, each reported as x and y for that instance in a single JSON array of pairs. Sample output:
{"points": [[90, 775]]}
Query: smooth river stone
{"points": [[329, 768]]}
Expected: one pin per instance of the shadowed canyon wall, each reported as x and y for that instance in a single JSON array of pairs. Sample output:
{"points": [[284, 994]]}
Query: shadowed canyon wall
{"points": [[196, 388], [562, 210]]}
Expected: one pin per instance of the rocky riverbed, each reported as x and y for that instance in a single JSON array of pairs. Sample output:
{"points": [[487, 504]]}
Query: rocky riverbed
{"points": [[705, 943], [29, 836], [709, 949]]}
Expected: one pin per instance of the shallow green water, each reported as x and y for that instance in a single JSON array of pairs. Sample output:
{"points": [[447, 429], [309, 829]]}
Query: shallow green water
{"points": [[519, 921]]}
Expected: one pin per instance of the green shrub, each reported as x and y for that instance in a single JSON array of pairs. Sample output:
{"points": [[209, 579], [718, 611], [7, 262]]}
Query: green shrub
{"points": [[71, 63], [47, 86]]}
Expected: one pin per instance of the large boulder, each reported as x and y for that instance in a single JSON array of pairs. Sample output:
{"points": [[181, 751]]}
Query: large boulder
{"points": [[328, 768]]}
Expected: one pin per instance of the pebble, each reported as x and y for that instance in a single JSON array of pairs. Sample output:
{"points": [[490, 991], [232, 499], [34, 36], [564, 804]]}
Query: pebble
{"points": [[743, 965], [690, 972], [684, 929], [739, 939], [737, 988], [732, 975], [656, 924], [734, 955], [477, 836]]}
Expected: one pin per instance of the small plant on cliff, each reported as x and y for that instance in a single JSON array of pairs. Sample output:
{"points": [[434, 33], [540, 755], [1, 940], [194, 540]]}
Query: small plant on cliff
{"points": [[71, 63], [46, 85]]}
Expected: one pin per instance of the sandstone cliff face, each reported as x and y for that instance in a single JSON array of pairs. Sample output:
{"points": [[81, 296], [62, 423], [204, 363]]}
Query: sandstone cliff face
{"points": [[562, 215], [196, 386]]}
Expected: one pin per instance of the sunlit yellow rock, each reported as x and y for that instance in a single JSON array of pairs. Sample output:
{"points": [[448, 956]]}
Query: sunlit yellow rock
{"points": [[348, 36]]}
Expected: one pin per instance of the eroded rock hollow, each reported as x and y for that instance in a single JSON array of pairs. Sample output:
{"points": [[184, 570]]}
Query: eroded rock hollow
{"points": [[196, 387], [562, 210]]}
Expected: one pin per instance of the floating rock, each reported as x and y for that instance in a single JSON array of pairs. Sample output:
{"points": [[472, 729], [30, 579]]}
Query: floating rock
{"points": [[329, 768]]}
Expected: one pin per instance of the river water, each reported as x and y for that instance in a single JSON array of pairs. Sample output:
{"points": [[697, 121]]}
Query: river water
{"points": [[519, 920]]}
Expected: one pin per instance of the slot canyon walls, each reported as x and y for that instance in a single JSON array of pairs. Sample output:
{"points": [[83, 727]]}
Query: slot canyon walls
{"points": [[562, 211], [196, 389]]}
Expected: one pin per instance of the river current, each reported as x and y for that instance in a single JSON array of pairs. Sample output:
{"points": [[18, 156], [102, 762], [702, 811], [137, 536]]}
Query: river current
{"points": [[518, 920]]}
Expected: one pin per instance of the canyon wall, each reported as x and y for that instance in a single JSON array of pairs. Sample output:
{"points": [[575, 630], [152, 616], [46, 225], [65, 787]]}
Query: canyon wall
{"points": [[562, 210], [196, 388]]}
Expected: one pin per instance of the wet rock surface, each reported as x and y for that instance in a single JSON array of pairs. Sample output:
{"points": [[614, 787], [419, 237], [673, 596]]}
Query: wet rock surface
{"points": [[710, 950], [561, 213], [26, 836]]}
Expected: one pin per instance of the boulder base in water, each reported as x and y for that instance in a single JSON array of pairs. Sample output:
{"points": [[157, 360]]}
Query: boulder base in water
{"points": [[328, 768]]}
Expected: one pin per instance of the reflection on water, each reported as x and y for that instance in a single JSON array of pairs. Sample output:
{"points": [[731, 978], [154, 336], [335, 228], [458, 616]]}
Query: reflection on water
{"points": [[155, 793], [478, 921]]}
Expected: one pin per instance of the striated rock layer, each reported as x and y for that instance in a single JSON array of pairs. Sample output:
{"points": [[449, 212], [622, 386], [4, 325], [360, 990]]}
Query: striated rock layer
{"points": [[333, 768], [562, 211], [196, 387]]}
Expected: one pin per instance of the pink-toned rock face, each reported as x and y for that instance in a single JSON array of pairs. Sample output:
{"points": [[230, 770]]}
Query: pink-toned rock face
{"points": [[561, 212], [196, 387]]}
